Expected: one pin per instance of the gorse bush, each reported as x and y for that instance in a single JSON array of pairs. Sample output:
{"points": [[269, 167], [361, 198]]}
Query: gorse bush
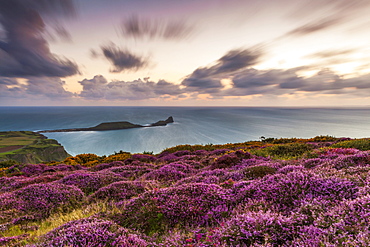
{"points": [[360, 144], [291, 150]]}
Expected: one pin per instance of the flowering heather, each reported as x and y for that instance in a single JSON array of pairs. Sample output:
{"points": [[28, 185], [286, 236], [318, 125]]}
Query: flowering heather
{"points": [[256, 228], [345, 161], [90, 182], [186, 205], [199, 179], [32, 170], [226, 161], [123, 190], [291, 168], [289, 190], [13, 183], [195, 196], [104, 166], [144, 157], [131, 171], [166, 174], [43, 199], [167, 157], [92, 232]]}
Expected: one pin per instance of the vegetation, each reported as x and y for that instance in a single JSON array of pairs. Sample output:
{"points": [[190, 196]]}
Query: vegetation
{"points": [[28, 147], [273, 192]]}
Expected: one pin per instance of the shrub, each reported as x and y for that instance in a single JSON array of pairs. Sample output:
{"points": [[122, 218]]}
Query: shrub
{"points": [[258, 171], [131, 171], [361, 144], [286, 151], [253, 228], [92, 232], [287, 191], [43, 199], [90, 182], [169, 173], [194, 204], [8, 163], [226, 160], [122, 190]]}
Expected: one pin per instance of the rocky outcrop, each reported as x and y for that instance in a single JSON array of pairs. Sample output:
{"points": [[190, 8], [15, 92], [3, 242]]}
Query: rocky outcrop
{"points": [[40, 155]]}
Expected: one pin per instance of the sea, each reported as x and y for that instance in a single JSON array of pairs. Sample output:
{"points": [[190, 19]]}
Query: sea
{"points": [[193, 125]]}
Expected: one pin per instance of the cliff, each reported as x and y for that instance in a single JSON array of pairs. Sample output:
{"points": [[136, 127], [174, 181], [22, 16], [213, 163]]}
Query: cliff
{"points": [[29, 147]]}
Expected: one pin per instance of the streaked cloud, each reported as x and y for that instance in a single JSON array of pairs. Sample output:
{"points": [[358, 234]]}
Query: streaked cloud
{"points": [[145, 28], [122, 59], [316, 26], [24, 51], [208, 79]]}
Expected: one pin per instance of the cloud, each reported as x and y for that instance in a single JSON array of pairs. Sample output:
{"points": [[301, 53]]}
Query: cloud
{"points": [[338, 7], [99, 88], [50, 87], [331, 53], [122, 60], [24, 51], [316, 26], [140, 28], [207, 79], [8, 81], [34, 88], [244, 80]]}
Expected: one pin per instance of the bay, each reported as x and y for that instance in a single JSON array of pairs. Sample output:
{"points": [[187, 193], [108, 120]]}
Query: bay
{"points": [[193, 125]]}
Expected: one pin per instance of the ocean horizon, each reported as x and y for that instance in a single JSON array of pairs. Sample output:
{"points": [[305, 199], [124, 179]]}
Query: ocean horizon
{"points": [[193, 125]]}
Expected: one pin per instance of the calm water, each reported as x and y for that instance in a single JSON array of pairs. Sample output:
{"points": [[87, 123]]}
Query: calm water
{"points": [[193, 125]]}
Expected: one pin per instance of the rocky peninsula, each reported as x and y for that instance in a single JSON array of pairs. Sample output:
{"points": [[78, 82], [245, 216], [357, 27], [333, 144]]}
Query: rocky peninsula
{"points": [[114, 126]]}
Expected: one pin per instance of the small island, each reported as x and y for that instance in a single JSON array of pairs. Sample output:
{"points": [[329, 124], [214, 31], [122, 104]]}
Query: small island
{"points": [[114, 126]]}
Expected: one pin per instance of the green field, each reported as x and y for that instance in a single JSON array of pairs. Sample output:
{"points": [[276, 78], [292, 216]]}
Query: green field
{"points": [[16, 145]]}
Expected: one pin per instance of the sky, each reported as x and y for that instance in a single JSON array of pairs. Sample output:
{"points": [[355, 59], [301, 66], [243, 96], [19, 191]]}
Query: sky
{"points": [[184, 53]]}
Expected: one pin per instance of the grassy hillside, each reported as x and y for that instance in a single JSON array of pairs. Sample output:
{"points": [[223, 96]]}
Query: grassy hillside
{"points": [[28, 147], [272, 192]]}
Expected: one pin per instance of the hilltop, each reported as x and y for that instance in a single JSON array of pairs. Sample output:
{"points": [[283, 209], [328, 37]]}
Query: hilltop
{"points": [[29, 147]]}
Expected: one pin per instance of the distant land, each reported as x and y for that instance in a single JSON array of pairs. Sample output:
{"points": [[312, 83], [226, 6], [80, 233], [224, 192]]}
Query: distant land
{"points": [[113, 126], [29, 147]]}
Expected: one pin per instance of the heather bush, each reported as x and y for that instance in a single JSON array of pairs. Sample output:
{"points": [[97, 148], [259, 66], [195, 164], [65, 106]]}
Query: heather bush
{"points": [[168, 174], [199, 179], [90, 182], [289, 190], [43, 199], [290, 168], [310, 163], [92, 232], [195, 204], [143, 157], [252, 228], [258, 171], [104, 166], [226, 161], [345, 161], [13, 183], [122, 190]]}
